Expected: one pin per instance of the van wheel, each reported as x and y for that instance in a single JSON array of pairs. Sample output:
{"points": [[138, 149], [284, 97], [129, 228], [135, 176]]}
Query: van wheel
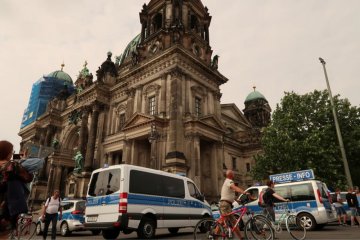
{"points": [[173, 230], [110, 234], [64, 229], [38, 229], [95, 232], [309, 221], [146, 228]]}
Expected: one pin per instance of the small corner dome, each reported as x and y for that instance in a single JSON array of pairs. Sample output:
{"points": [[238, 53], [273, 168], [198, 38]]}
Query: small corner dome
{"points": [[255, 95], [61, 75]]}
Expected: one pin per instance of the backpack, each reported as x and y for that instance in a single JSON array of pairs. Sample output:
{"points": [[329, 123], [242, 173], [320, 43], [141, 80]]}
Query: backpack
{"points": [[262, 198]]}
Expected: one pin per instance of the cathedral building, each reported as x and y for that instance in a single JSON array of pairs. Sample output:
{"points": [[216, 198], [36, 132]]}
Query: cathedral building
{"points": [[157, 105]]}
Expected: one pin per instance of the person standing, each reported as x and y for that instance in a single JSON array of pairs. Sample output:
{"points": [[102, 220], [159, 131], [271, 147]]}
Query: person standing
{"points": [[50, 213], [339, 207], [13, 193], [353, 204], [227, 198], [269, 199]]}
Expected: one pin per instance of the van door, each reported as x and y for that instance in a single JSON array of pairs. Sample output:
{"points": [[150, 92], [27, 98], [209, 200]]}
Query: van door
{"points": [[175, 204], [103, 196], [324, 198], [195, 204]]}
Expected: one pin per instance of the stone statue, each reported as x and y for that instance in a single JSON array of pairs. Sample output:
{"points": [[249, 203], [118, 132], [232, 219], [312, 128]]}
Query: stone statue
{"points": [[78, 162], [214, 62]]}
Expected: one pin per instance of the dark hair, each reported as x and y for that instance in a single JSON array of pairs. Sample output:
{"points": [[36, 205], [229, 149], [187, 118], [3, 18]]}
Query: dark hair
{"points": [[269, 183], [5, 149]]}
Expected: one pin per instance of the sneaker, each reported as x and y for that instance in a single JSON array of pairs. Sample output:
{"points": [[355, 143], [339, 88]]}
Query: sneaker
{"points": [[353, 225]]}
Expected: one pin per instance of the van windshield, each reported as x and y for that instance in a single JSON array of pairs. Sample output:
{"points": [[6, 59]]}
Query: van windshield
{"points": [[105, 182]]}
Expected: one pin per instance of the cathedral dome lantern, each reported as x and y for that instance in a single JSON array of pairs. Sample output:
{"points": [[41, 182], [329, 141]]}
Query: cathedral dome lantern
{"points": [[257, 109], [165, 23]]}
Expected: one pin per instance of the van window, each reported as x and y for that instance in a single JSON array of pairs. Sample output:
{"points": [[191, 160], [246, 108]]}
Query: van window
{"points": [[254, 193], [154, 184], [174, 187], [105, 182], [283, 191], [67, 205], [194, 192], [302, 192]]}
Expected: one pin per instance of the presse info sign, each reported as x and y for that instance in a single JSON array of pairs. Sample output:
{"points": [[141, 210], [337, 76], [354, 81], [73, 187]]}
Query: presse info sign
{"points": [[293, 176]]}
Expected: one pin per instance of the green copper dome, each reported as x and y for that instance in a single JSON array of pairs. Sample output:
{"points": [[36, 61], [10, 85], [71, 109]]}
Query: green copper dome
{"points": [[255, 95], [60, 75], [131, 47]]}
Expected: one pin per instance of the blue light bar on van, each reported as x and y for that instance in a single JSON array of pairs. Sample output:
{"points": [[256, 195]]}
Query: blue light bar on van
{"points": [[293, 176]]}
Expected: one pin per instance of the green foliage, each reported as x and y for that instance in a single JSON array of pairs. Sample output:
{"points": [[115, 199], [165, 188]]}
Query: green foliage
{"points": [[302, 135]]}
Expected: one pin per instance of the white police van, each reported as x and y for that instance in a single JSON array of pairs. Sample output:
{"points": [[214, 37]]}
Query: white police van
{"points": [[309, 199], [130, 198]]}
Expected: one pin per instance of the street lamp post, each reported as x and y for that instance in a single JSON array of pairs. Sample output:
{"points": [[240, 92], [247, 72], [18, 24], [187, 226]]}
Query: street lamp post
{"points": [[338, 132]]}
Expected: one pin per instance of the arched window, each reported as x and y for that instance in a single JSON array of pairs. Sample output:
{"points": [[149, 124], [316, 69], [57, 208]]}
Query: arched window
{"points": [[194, 23], [157, 22]]}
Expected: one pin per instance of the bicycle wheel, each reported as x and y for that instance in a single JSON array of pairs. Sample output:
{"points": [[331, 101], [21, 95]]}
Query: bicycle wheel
{"points": [[27, 231], [258, 228], [208, 228], [296, 227]]}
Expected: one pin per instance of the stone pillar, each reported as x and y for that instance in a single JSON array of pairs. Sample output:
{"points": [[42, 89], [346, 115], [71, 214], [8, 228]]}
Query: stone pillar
{"points": [[83, 130], [50, 183], [163, 97], [89, 159], [49, 135], [197, 160], [214, 171], [175, 156]]}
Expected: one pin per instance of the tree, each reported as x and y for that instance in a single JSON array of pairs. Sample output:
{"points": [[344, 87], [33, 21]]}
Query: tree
{"points": [[302, 135]]}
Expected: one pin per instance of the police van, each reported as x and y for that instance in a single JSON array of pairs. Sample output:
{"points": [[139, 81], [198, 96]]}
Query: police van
{"points": [[130, 198], [309, 198]]}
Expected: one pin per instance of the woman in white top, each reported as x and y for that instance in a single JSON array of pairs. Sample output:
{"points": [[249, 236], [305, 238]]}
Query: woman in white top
{"points": [[50, 213]]}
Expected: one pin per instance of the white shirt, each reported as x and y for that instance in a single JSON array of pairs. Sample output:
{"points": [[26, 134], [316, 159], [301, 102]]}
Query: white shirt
{"points": [[52, 205], [226, 192]]}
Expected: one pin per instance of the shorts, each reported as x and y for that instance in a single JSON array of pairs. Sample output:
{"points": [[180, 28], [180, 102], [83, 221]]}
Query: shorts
{"points": [[226, 208], [340, 211], [354, 212]]}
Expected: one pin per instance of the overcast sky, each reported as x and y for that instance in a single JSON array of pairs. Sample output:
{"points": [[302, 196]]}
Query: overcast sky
{"points": [[271, 44]]}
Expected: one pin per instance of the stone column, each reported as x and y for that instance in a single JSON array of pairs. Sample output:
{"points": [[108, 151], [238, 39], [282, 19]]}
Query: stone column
{"points": [[83, 130], [89, 159], [163, 96], [49, 135], [214, 171], [50, 182]]}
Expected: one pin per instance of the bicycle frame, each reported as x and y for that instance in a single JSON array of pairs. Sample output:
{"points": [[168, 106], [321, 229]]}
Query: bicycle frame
{"points": [[241, 211]]}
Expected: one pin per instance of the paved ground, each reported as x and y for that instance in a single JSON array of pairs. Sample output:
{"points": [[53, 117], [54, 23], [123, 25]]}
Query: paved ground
{"points": [[329, 232]]}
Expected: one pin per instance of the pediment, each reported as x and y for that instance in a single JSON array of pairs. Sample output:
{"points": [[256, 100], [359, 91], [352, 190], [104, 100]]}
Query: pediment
{"points": [[212, 121], [233, 112], [138, 119]]}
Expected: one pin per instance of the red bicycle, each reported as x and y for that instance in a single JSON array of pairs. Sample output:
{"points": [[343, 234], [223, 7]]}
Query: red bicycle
{"points": [[255, 227], [25, 228]]}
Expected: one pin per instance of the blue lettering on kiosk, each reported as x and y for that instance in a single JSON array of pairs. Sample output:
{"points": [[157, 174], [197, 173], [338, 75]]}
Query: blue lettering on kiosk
{"points": [[293, 176]]}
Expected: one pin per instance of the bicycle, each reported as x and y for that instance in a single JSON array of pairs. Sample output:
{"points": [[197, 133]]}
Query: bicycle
{"points": [[255, 227], [294, 225], [25, 227]]}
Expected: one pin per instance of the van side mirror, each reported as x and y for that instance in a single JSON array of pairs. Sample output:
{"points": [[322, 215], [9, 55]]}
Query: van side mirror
{"points": [[200, 197]]}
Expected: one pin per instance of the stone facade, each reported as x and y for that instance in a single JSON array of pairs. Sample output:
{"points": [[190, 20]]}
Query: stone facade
{"points": [[157, 106]]}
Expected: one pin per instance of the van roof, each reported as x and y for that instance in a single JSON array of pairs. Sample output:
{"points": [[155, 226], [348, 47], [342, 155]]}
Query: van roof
{"points": [[143, 169]]}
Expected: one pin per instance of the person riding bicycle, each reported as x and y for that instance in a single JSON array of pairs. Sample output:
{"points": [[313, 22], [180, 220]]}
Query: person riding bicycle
{"points": [[13, 193], [227, 198], [269, 199]]}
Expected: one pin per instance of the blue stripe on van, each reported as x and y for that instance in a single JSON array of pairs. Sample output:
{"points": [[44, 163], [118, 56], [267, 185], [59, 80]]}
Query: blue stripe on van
{"points": [[145, 200], [307, 206]]}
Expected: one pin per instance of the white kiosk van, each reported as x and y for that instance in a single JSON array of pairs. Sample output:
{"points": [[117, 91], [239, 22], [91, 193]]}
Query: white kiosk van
{"points": [[129, 198], [309, 198]]}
